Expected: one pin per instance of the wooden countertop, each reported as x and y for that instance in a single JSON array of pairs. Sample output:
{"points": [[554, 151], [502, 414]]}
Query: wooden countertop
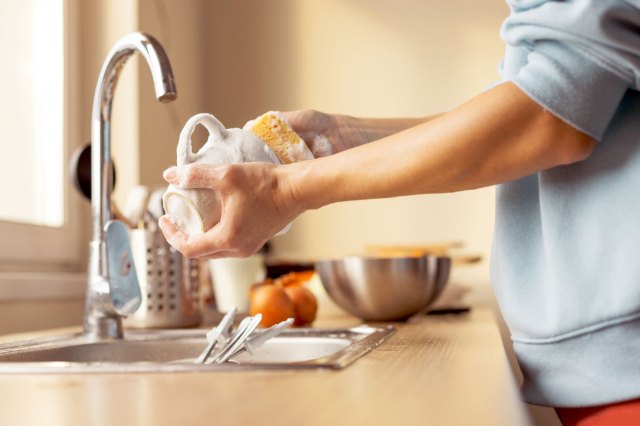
{"points": [[435, 370]]}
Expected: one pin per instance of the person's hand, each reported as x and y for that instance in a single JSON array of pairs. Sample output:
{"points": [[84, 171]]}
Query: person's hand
{"points": [[324, 133], [257, 202], [327, 134]]}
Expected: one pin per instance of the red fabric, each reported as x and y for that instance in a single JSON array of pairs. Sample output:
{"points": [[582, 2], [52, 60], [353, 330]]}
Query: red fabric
{"points": [[625, 413]]}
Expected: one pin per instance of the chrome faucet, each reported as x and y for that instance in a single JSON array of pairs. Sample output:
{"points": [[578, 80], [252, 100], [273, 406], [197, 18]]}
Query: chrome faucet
{"points": [[112, 288]]}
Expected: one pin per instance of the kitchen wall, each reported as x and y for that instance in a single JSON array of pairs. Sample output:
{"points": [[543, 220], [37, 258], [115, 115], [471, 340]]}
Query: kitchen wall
{"points": [[239, 58], [381, 58]]}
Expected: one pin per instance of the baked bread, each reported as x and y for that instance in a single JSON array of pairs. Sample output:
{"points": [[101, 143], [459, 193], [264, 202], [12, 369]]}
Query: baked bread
{"points": [[276, 133]]}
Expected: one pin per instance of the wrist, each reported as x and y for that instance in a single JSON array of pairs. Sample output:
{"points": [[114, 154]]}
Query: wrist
{"points": [[349, 131], [305, 185]]}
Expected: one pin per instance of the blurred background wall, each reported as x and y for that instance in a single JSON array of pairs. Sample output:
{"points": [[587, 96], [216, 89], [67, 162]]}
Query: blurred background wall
{"points": [[381, 58], [237, 59]]}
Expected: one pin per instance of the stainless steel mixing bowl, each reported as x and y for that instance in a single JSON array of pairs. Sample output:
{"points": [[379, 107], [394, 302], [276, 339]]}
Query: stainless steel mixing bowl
{"points": [[384, 289]]}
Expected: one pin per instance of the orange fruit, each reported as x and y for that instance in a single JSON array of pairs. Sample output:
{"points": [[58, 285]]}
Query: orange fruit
{"points": [[272, 302], [294, 278], [305, 305]]}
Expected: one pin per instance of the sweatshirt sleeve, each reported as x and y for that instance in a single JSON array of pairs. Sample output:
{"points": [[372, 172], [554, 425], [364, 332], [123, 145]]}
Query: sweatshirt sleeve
{"points": [[577, 57]]}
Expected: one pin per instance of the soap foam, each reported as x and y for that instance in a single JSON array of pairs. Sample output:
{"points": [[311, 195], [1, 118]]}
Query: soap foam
{"points": [[320, 146]]}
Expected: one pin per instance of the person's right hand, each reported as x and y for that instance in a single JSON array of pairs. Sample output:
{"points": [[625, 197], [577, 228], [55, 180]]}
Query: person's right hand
{"points": [[257, 199], [325, 134]]}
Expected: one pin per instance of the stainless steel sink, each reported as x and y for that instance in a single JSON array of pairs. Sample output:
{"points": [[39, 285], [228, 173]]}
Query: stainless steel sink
{"points": [[176, 350]]}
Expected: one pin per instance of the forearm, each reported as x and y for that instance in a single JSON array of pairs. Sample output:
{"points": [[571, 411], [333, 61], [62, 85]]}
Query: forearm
{"points": [[498, 136], [365, 130], [327, 134]]}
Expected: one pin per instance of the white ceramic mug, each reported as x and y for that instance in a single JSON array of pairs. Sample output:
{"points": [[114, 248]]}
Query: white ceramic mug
{"points": [[232, 280], [198, 210]]}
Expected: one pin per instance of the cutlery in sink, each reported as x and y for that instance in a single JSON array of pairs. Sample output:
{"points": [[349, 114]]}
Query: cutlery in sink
{"points": [[245, 328], [217, 336], [223, 345], [259, 338]]}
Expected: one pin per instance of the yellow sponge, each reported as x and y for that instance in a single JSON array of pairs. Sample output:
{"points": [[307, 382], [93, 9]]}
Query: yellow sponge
{"points": [[276, 133]]}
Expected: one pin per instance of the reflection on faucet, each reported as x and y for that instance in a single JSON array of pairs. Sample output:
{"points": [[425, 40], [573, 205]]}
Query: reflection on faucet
{"points": [[102, 319]]}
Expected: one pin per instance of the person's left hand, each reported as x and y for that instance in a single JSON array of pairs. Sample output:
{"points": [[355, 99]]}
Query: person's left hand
{"points": [[257, 202]]}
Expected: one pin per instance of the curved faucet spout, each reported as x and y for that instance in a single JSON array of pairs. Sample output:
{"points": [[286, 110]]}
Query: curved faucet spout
{"points": [[100, 318], [165, 88]]}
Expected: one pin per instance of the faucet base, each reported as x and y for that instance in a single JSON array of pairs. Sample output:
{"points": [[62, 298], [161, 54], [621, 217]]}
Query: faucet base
{"points": [[100, 322], [101, 328]]}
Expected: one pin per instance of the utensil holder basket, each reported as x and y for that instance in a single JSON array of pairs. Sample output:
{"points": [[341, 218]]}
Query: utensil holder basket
{"points": [[169, 283]]}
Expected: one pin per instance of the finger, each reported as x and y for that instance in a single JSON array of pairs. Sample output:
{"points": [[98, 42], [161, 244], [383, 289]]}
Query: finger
{"points": [[295, 120], [171, 175], [192, 246], [211, 243], [174, 236], [288, 116], [220, 255], [199, 176]]}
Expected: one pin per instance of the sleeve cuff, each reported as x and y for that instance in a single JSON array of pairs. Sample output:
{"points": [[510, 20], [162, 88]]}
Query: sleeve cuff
{"points": [[572, 85]]}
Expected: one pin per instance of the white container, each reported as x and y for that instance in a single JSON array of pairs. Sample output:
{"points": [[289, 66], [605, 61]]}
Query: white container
{"points": [[232, 280]]}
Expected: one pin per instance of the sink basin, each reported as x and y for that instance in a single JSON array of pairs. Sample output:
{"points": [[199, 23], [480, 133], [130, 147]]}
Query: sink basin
{"points": [[175, 351]]}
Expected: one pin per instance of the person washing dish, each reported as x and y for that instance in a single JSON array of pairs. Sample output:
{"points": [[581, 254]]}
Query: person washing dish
{"points": [[560, 136]]}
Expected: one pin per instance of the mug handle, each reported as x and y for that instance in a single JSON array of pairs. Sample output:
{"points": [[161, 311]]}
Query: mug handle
{"points": [[215, 128]]}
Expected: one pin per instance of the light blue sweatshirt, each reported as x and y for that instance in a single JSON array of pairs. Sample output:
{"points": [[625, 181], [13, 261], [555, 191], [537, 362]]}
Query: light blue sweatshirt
{"points": [[566, 262]]}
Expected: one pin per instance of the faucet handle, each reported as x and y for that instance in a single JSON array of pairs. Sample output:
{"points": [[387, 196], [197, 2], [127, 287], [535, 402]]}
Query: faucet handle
{"points": [[123, 280]]}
